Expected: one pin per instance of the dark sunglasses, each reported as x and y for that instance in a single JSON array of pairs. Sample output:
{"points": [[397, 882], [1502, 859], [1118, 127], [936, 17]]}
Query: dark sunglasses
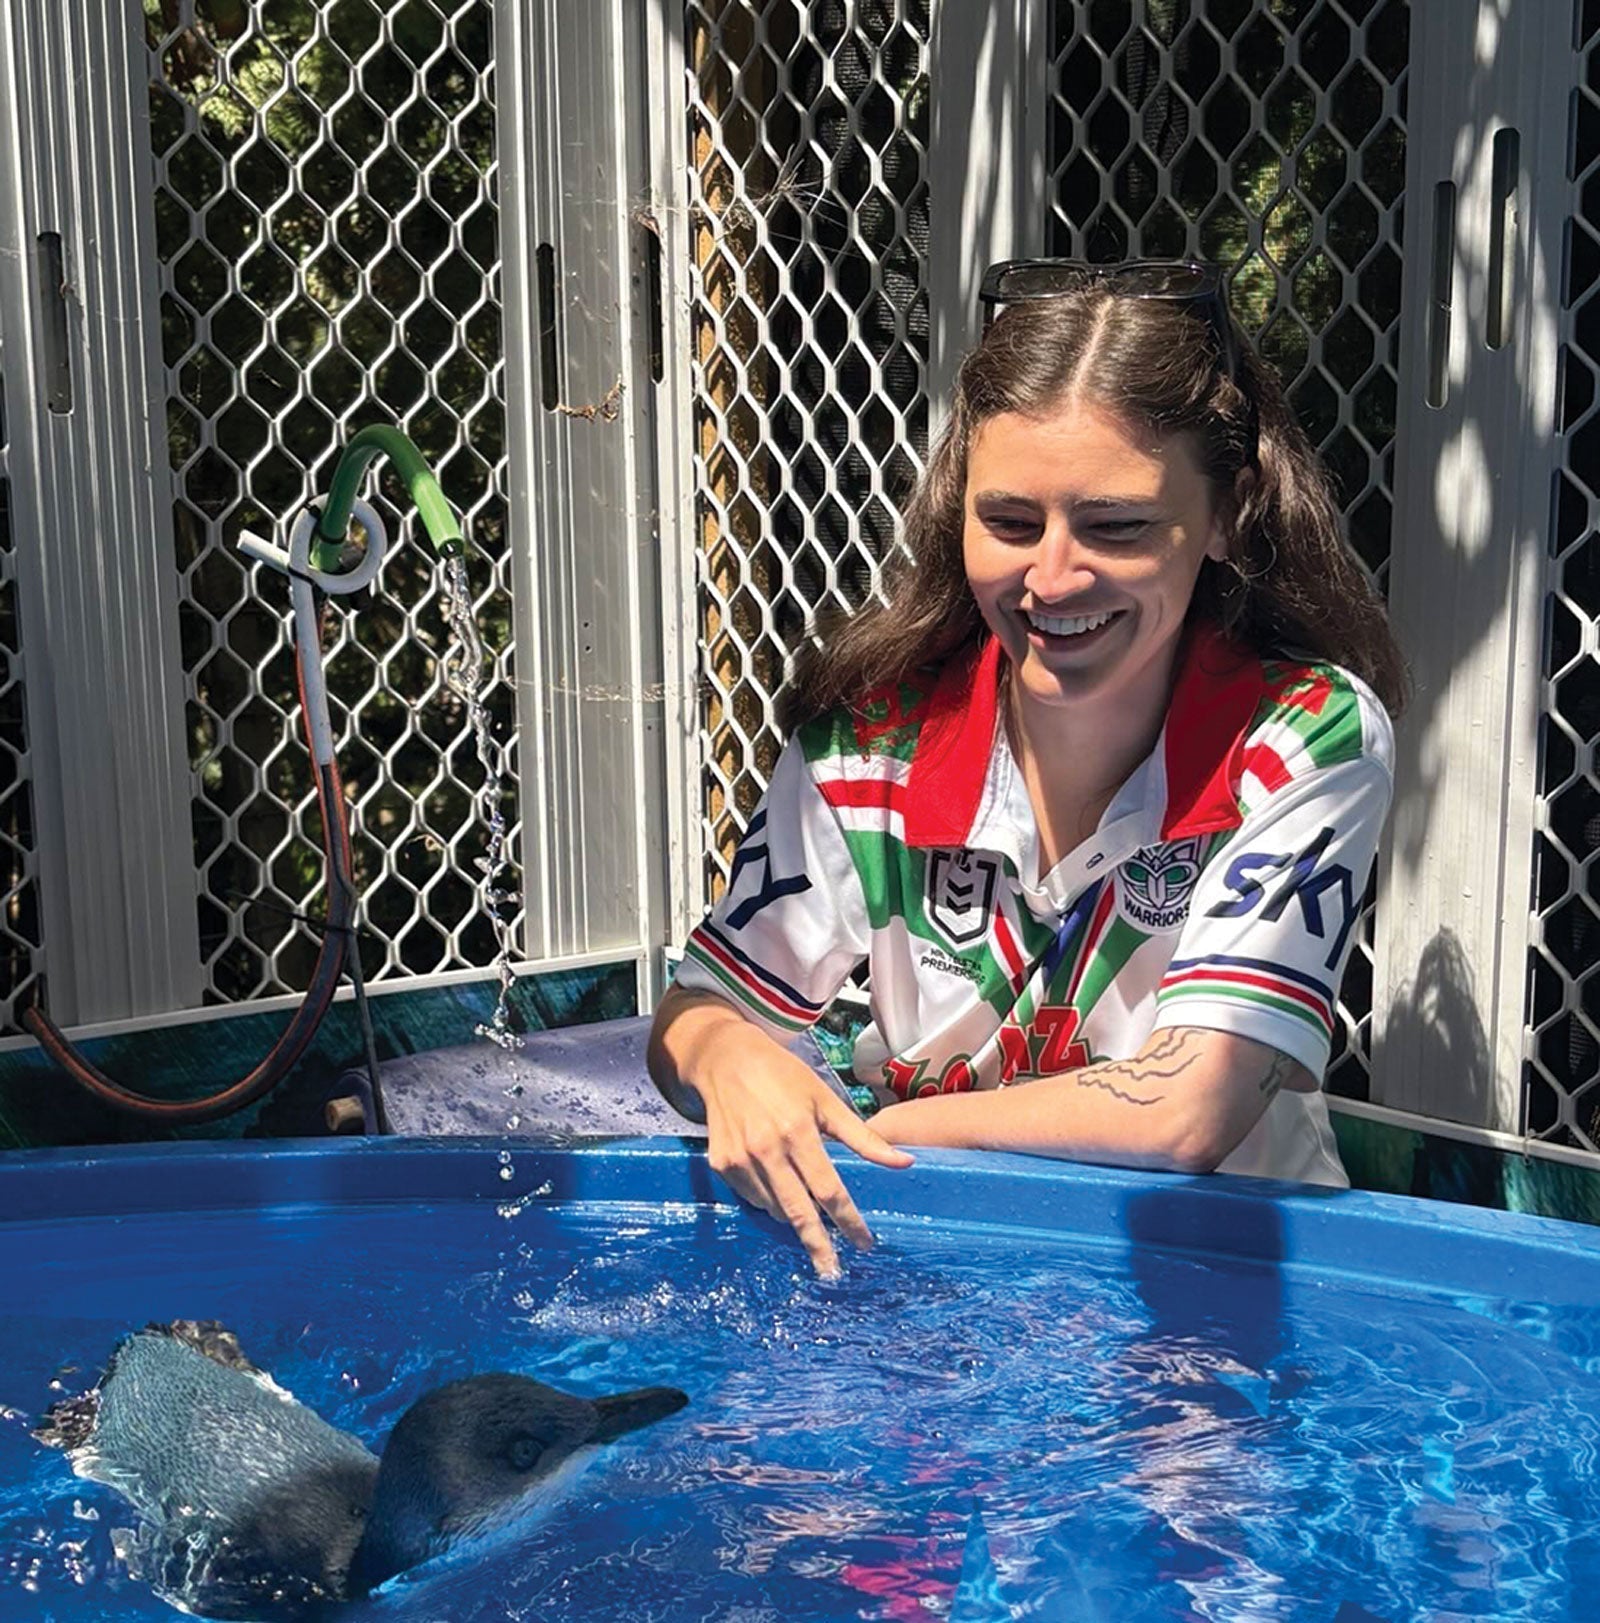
{"points": [[1192, 282]]}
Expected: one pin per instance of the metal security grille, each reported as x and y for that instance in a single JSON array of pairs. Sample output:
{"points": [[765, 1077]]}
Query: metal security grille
{"points": [[1271, 139], [19, 899], [328, 236], [1563, 1070], [808, 231]]}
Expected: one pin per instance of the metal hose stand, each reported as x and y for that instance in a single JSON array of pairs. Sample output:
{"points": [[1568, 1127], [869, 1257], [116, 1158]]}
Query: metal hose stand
{"points": [[369, 1044]]}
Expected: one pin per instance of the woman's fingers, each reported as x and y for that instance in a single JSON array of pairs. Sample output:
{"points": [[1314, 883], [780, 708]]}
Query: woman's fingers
{"points": [[827, 1189], [777, 1163], [836, 1119], [748, 1184], [806, 1186], [795, 1188], [798, 1209]]}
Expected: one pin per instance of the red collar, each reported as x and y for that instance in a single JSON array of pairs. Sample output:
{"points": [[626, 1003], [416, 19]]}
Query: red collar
{"points": [[1217, 693]]}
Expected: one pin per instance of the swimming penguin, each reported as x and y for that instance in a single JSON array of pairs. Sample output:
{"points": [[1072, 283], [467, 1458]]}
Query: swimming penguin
{"points": [[251, 1506]]}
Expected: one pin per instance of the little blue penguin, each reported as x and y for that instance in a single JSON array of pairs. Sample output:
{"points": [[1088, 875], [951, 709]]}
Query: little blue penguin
{"points": [[252, 1506]]}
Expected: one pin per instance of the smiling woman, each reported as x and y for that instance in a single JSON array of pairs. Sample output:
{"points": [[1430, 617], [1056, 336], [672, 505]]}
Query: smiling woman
{"points": [[1093, 792], [1082, 541]]}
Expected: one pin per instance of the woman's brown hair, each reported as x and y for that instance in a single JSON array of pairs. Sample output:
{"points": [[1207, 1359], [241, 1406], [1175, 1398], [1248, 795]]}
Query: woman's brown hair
{"points": [[1289, 582]]}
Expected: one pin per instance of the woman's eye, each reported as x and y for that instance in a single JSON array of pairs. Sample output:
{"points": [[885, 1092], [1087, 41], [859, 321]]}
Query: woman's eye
{"points": [[1011, 529], [1123, 529]]}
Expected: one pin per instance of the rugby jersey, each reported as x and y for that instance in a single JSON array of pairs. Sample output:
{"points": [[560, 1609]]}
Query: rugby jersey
{"points": [[1220, 890]]}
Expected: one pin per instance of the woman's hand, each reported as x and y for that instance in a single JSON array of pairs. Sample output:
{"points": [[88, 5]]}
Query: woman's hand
{"points": [[766, 1113]]}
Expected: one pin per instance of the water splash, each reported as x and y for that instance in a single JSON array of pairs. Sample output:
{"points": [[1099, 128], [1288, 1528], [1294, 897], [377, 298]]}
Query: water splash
{"points": [[977, 1598], [464, 676]]}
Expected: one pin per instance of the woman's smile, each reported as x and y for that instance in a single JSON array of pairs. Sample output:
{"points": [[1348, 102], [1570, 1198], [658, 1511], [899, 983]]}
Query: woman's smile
{"points": [[1074, 631], [1068, 625]]}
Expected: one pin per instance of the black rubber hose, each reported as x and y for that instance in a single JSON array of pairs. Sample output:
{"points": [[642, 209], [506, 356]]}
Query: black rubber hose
{"points": [[337, 937]]}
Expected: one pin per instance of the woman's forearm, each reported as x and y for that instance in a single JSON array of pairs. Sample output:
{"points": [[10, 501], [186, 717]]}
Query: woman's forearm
{"points": [[1173, 1106], [1057, 1115]]}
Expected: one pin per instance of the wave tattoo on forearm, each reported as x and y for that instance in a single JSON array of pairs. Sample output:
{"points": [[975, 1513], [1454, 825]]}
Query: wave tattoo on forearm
{"points": [[1172, 1055]]}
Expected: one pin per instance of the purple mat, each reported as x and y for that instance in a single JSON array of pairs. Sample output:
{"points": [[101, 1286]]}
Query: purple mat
{"points": [[578, 1082]]}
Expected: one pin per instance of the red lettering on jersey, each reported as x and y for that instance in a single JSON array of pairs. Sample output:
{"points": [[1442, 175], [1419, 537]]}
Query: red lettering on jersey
{"points": [[905, 1077], [958, 1077], [1058, 1024], [1015, 1057]]}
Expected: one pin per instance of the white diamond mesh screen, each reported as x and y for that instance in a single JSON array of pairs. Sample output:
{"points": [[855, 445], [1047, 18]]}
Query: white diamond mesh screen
{"points": [[808, 230], [19, 896], [1270, 138], [328, 237], [1563, 1072]]}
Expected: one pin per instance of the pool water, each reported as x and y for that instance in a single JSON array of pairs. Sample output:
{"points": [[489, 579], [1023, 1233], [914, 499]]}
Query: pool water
{"points": [[979, 1421]]}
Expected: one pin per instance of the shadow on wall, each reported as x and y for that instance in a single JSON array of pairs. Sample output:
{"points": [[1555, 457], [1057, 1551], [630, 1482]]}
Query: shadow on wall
{"points": [[1435, 1017]]}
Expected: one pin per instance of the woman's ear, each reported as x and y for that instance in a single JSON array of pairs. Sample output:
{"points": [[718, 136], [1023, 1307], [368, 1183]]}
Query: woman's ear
{"points": [[1225, 525]]}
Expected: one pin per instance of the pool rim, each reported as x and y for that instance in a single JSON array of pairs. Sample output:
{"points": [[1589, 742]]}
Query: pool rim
{"points": [[1400, 1239]]}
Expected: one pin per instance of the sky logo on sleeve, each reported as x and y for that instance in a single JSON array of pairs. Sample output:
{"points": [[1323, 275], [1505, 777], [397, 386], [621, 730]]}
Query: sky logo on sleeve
{"points": [[1253, 880], [771, 888]]}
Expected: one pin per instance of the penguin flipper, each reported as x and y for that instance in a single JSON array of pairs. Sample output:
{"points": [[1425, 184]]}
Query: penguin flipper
{"points": [[207, 1571]]}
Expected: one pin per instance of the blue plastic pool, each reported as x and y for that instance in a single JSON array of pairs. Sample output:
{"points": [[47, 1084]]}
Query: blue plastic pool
{"points": [[1052, 1392]]}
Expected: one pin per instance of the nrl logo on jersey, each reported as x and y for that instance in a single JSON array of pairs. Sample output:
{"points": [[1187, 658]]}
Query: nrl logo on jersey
{"points": [[1154, 886], [960, 894]]}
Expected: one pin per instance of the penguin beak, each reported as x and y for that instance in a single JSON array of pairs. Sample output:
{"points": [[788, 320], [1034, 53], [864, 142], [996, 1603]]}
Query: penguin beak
{"points": [[627, 1411]]}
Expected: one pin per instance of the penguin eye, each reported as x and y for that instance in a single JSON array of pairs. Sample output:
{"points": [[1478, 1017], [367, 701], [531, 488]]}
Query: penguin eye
{"points": [[523, 1452]]}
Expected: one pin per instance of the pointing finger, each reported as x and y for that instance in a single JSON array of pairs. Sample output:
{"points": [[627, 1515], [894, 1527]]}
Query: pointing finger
{"points": [[827, 1188], [799, 1211], [840, 1122]]}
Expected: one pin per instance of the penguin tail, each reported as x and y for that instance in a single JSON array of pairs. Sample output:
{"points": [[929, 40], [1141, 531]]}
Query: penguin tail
{"points": [[209, 1338], [69, 1423], [623, 1412]]}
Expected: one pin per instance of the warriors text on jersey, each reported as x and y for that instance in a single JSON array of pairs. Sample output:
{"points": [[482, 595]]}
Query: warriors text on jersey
{"points": [[1221, 889]]}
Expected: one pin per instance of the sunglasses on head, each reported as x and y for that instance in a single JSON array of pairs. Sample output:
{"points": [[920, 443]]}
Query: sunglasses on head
{"points": [[1192, 282]]}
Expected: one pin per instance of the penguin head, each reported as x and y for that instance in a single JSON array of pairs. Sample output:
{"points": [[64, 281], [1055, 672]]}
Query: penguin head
{"points": [[476, 1454]]}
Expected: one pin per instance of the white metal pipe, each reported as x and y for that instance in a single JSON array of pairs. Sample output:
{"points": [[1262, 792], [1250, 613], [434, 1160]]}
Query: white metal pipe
{"points": [[295, 562]]}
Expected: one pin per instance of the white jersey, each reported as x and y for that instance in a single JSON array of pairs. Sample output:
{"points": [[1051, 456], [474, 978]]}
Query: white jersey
{"points": [[1221, 889]]}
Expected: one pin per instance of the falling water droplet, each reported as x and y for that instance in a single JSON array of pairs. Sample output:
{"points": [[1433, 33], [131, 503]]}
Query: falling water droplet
{"points": [[464, 676]]}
